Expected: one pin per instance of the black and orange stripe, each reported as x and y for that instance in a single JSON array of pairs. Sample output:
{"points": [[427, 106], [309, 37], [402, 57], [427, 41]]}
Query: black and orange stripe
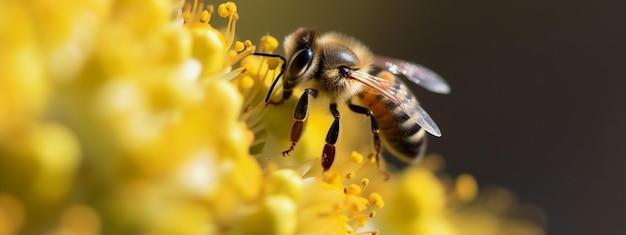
{"points": [[402, 135]]}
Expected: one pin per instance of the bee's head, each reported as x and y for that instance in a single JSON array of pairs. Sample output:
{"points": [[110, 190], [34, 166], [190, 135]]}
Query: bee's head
{"points": [[302, 57]]}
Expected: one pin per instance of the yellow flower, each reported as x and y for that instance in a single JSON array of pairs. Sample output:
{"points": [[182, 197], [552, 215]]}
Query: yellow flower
{"points": [[140, 117], [426, 201], [416, 205]]}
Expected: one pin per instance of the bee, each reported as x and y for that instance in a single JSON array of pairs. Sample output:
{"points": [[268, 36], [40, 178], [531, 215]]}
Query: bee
{"points": [[344, 69]]}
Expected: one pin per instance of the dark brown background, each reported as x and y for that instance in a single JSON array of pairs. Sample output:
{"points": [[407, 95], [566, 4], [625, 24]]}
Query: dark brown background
{"points": [[537, 101]]}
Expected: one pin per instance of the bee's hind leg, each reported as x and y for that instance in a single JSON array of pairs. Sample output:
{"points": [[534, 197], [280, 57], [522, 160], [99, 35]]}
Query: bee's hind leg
{"points": [[328, 155], [375, 135]]}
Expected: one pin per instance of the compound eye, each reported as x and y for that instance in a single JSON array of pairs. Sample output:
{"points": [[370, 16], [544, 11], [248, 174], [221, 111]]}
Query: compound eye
{"points": [[300, 63]]}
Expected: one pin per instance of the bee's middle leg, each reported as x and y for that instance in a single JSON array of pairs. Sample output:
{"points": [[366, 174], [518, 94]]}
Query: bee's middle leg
{"points": [[328, 155], [299, 115], [375, 134]]}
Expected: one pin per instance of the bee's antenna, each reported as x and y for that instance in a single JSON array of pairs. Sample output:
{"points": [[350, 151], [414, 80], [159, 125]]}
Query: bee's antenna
{"points": [[282, 69]]}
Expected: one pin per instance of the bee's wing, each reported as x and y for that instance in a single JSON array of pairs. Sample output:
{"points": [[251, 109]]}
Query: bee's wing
{"points": [[385, 88], [422, 118], [416, 73]]}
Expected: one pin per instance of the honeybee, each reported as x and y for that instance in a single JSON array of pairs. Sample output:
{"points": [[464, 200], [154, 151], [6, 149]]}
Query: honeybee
{"points": [[343, 69]]}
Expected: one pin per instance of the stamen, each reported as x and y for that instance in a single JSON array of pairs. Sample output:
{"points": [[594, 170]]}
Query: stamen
{"points": [[249, 50], [194, 7], [377, 200], [356, 204], [245, 83], [187, 13], [229, 9], [272, 63], [268, 44], [239, 46], [362, 222], [267, 72], [205, 16], [372, 214], [365, 181], [353, 189], [330, 178], [356, 157], [375, 232], [233, 74], [195, 14]]}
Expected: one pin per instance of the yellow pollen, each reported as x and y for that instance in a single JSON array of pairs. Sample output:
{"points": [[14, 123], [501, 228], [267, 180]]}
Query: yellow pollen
{"points": [[356, 157], [268, 43], [362, 222], [356, 204], [331, 178], [193, 13], [272, 63], [226, 9], [365, 182], [229, 9], [372, 214], [245, 83], [205, 16], [377, 200], [353, 189], [236, 56], [350, 175], [247, 43], [239, 46]]}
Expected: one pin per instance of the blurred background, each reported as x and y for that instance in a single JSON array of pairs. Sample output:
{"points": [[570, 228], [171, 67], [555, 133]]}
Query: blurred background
{"points": [[537, 102]]}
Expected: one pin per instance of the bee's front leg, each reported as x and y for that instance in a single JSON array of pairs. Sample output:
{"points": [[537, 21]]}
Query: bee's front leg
{"points": [[375, 134], [328, 155], [287, 92], [299, 115]]}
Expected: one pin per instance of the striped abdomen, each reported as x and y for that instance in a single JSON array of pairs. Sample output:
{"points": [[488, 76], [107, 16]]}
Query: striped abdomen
{"points": [[400, 133]]}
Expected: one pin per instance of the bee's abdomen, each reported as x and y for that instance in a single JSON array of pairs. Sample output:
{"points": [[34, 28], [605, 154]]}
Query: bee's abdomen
{"points": [[401, 134]]}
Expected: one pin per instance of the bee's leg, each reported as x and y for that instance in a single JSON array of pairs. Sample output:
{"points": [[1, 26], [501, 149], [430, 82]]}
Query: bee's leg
{"points": [[328, 156], [299, 115], [286, 93], [375, 134]]}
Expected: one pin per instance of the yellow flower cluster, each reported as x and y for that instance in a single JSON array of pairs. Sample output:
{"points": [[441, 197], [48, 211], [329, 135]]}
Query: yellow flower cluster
{"points": [[424, 200], [139, 117]]}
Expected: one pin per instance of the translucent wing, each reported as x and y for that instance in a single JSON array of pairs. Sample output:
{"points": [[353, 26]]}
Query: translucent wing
{"points": [[386, 88], [418, 74], [422, 118]]}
